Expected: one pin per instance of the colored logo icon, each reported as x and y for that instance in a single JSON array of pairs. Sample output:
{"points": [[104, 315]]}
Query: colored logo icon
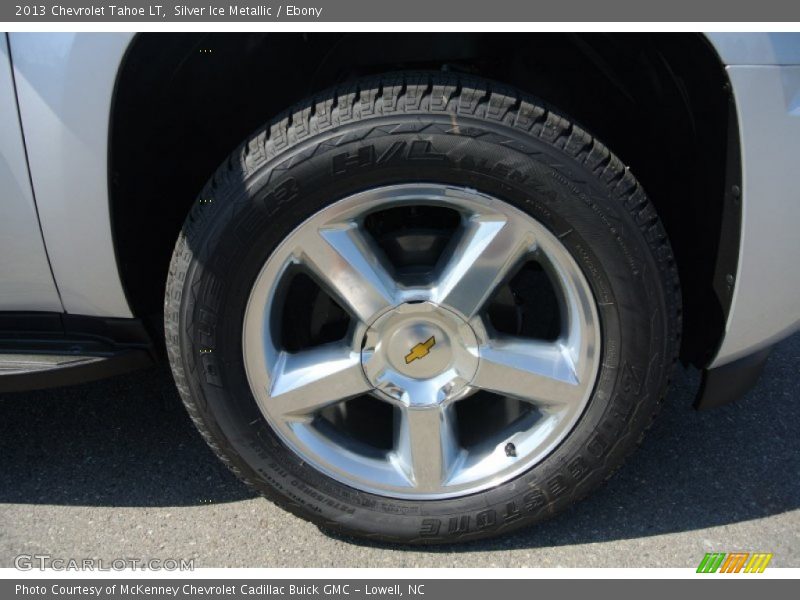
{"points": [[734, 562], [420, 350]]}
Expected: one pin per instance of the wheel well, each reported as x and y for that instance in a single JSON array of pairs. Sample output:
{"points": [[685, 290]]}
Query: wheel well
{"points": [[183, 102]]}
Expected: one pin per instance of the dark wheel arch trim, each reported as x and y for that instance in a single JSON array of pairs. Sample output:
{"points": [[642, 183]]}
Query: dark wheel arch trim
{"points": [[731, 381]]}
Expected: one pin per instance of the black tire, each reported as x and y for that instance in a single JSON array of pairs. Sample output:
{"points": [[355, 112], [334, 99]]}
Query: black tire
{"points": [[439, 128]]}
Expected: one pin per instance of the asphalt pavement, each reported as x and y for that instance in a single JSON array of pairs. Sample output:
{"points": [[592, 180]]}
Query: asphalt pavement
{"points": [[115, 469]]}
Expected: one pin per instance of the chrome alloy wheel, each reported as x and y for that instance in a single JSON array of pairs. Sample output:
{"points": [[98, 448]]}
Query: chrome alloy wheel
{"points": [[422, 342]]}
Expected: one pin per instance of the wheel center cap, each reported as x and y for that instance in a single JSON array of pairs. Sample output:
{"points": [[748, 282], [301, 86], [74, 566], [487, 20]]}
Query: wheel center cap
{"points": [[420, 354]]}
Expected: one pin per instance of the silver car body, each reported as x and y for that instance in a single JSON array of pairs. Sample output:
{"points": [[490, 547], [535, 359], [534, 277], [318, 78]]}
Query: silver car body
{"points": [[65, 85]]}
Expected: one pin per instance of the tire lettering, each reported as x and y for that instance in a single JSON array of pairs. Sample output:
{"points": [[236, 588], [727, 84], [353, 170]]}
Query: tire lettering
{"points": [[346, 163], [512, 512], [458, 524], [422, 150], [577, 468], [557, 486], [430, 527], [533, 500], [286, 191], [486, 519], [597, 446], [631, 379]]}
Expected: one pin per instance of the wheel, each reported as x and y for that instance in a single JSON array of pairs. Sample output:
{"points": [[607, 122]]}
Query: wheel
{"points": [[422, 308]]}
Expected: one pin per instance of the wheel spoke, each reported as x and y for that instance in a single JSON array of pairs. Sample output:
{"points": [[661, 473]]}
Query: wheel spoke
{"points": [[305, 382], [489, 249], [426, 447], [348, 265], [538, 372]]}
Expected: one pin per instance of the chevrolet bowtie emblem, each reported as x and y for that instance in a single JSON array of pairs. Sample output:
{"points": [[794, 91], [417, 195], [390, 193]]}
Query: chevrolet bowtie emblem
{"points": [[421, 350]]}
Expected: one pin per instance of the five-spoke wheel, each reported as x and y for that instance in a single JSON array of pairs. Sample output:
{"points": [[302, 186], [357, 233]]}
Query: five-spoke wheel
{"points": [[420, 339]]}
